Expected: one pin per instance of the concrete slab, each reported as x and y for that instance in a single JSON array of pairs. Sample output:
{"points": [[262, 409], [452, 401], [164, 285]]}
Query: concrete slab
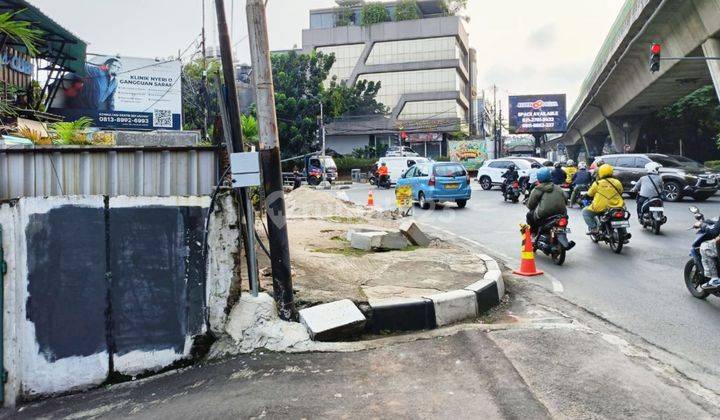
{"points": [[414, 234], [486, 293], [401, 314], [366, 240], [454, 306], [332, 321], [393, 240]]}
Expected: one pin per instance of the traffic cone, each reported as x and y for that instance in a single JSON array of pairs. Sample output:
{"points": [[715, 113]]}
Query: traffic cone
{"points": [[371, 199], [527, 256]]}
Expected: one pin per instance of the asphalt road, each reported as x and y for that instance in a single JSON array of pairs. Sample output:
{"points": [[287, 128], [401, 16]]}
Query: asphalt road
{"points": [[640, 290]]}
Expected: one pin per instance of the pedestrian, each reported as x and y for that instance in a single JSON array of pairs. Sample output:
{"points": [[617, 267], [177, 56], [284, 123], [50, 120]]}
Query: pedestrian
{"points": [[297, 178]]}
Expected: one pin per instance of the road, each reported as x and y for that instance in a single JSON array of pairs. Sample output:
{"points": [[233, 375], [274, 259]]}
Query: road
{"points": [[640, 290]]}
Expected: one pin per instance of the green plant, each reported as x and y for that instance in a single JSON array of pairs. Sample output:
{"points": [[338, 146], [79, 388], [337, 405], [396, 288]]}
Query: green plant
{"points": [[347, 163], [71, 132], [249, 129], [453, 7], [345, 16], [21, 31], [373, 13], [713, 164], [407, 10]]}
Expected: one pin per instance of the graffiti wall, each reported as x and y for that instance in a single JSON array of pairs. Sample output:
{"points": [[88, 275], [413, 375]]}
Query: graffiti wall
{"points": [[471, 153]]}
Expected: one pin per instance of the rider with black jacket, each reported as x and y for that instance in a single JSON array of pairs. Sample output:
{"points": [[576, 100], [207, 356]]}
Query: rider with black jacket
{"points": [[510, 176]]}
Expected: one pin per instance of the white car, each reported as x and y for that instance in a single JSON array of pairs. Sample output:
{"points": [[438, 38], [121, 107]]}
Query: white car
{"points": [[490, 173], [398, 165], [401, 151]]}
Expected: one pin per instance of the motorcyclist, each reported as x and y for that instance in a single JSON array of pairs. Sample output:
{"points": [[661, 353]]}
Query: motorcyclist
{"points": [[558, 175], [648, 187], [580, 181], [708, 242], [297, 178], [570, 171], [532, 176], [606, 193], [510, 176], [546, 200], [383, 173]]}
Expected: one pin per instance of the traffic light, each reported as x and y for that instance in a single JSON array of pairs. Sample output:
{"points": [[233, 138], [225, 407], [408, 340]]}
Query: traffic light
{"points": [[655, 57]]}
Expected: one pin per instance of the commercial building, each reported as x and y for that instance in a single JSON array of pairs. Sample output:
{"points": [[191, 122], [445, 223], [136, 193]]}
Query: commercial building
{"points": [[425, 66]]}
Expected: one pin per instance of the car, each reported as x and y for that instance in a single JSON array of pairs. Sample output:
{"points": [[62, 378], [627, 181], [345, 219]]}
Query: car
{"points": [[681, 178], [490, 173], [398, 165], [401, 151], [438, 182]]}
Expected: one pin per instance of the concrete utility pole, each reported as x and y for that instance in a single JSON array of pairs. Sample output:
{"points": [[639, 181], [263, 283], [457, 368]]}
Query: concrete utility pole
{"points": [[270, 158], [204, 77]]}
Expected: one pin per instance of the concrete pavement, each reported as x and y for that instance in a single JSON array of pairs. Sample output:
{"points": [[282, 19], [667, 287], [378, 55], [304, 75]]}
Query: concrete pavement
{"points": [[640, 290]]}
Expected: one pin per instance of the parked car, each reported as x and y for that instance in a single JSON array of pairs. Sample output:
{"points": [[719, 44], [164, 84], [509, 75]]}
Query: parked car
{"points": [[490, 173], [401, 151], [438, 182], [681, 178], [398, 165]]}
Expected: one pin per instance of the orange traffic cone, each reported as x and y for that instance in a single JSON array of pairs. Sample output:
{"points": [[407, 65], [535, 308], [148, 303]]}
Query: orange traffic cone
{"points": [[371, 199], [527, 256]]}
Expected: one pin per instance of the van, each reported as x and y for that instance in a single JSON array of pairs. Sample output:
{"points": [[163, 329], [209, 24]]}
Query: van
{"points": [[398, 165]]}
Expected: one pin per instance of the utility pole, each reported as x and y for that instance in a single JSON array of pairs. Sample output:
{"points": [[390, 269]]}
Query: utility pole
{"points": [[204, 77], [270, 158], [494, 133], [322, 134]]}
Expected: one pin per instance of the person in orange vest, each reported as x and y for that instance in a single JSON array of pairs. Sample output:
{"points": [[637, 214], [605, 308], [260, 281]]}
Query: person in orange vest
{"points": [[383, 173]]}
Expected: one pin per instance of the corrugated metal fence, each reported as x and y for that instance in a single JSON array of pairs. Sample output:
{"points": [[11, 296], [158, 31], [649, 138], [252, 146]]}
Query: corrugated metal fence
{"points": [[141, 171]]}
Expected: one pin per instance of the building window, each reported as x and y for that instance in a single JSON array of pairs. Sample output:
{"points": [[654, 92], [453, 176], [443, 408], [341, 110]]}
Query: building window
{"points": [[432, 110], [322, 20], [395, 84], [346, 57], [414, 50]]}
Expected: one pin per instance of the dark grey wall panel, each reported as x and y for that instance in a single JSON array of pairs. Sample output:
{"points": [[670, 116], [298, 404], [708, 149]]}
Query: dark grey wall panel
{"points": [[67, 286]]}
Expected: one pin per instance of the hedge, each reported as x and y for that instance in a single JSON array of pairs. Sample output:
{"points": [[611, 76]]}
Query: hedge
{"points": [[346, 163], [713, 164]]}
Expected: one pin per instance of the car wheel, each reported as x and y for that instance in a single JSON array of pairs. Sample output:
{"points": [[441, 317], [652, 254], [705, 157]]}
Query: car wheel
{"points": [[486, 183], [672, 191], [423, 203], [461, 203]]}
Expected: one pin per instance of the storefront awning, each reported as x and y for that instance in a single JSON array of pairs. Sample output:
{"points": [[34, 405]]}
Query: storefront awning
{"points": [[58, 45]]}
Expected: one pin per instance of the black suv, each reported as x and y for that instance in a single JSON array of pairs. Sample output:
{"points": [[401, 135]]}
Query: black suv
{"points": [[682, 177]]}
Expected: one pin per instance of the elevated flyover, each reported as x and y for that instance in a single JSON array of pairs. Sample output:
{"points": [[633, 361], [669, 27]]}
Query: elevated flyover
{"points": [[620, 90]]}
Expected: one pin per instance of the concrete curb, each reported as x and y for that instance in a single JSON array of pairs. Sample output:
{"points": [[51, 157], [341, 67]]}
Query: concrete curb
{"points": [[437, 310]]}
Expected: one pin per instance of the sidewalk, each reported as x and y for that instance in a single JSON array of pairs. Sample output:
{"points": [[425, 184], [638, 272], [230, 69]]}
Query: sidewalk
{"points": [[529, 360]]}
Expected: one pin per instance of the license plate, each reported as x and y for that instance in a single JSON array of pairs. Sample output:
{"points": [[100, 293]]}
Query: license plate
{"points": [[452, 186], [623, 223], [566, 230], [656, 209]]}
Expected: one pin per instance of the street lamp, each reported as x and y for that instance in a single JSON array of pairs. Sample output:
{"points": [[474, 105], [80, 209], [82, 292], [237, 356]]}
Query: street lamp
{"points": [[322, 135], [626, 128]]}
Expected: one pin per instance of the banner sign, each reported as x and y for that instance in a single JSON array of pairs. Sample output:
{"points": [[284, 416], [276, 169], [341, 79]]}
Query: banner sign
{"points": [[403, 196], [123, 93], [470, 153], [537, 114]]}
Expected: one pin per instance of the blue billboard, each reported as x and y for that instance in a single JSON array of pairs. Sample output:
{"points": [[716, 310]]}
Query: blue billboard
{"points": [[531, 114]]}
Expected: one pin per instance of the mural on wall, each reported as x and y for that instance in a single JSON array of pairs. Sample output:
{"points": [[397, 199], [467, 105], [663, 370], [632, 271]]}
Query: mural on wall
{"points": [[471, 153]]}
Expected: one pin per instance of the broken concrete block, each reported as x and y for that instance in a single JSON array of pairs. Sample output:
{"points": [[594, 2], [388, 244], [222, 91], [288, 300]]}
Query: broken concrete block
{"points": [[332, 321], [454, 306], [393, 240], [413, 234], [366, 240]]}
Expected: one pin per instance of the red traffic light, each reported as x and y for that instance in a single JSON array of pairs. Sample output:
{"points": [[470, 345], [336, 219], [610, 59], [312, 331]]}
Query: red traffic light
{"points": [[655, 49], [403, 135]]}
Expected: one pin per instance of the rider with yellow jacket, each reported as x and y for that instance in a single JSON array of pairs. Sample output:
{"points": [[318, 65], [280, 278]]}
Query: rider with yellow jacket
{"points": [[606, 193]]}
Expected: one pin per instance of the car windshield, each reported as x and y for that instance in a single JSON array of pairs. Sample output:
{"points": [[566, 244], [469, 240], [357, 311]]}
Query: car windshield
{"points": [[330, 162], [666, 161], [521, 163], [688, 162], [452, 169]]}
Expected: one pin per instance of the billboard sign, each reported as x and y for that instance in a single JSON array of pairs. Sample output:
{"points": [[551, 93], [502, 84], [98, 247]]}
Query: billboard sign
{"points": [[470, 153], [531, 114], [123, 93]]}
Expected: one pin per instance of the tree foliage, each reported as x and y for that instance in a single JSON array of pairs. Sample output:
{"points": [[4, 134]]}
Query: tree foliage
{"points": [[20, 31], [299, 81], [373, 13], [193, 102], [346, 16], [407, 10], [694, 118], [250, 129]]}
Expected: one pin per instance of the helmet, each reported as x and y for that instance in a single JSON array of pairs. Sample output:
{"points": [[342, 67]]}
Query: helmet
{"points": [[535, 165], [605, 171], [582, 165], [558, 165], [570, 162], [543, 175], [511, 166], [653, 167]]}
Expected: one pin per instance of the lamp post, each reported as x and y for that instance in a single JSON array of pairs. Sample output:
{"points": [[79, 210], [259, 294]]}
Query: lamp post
{"points": [[626, 128], [322, 137]]}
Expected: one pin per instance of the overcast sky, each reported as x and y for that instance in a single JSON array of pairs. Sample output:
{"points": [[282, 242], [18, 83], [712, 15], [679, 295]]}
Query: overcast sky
{"points": [[524, 46]]}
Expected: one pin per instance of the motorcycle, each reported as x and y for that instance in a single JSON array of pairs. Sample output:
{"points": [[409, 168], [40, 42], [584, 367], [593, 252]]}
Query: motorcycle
{"points": [[512, 192], [581, 197], [694, 271], [614, 224], [372, 178], [653, 215], [552, 239], [384, 182], [314, 176]]}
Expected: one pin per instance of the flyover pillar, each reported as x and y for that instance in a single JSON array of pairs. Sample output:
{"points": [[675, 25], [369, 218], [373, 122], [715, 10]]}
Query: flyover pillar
{"points": [[595, 144], [624, 133], [711, 48]]}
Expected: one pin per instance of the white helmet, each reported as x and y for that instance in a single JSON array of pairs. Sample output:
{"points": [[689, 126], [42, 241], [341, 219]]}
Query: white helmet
{"points": [[570, 163], [653, 168], [582, 165]]}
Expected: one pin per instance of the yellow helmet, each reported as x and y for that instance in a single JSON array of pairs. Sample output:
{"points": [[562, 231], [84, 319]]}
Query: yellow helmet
{"points": [[605, 171]]}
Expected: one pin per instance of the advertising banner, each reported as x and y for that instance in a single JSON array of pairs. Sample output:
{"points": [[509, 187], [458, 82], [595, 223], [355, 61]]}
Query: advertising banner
{"points": [[537, 114], [470, 153], [123, 93]]}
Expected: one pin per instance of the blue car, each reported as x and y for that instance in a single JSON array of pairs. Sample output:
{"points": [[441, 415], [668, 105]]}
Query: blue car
{"points": [[437, 182]]}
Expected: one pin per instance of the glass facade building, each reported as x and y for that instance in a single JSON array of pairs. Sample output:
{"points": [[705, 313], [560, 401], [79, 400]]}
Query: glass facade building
{"points": [[395, 84], [346, 58], [414, 50]]}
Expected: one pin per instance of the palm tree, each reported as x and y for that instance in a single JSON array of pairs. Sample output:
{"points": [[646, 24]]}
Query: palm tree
{"points": [[20, 30]]}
